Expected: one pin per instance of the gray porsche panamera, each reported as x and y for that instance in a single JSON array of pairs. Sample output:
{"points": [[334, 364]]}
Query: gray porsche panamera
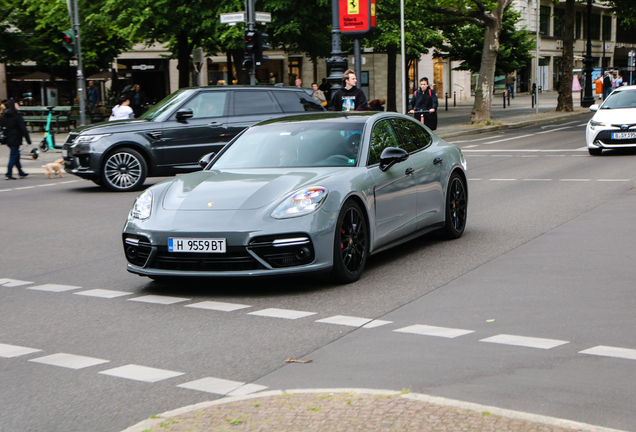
{"points": [[303, 193]]}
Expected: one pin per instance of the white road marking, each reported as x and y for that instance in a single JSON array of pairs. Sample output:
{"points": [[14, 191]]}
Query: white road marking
{"points": [[141, 373], [501, 156], [212, 385], [103, 293], [345, 320], [217, 306], [508, 139], [503, 179], [553, 155], [25, 187], [427, 330], [473, 179], [537, 179], [70, 361], [614, 180], [554, 130], [54, 288], [376, 323], [156, 299], [10, 351], [45, 185], [70, 181], [13, 282], [524, 151], [607, 351], [470, 146], [471, 140], [530, 342], [529, 156], [575, 180], [282, 313]]}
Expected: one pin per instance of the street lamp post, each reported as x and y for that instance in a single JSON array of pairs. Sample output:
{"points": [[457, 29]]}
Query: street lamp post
{"points": [[588, 98], [336, 64]]}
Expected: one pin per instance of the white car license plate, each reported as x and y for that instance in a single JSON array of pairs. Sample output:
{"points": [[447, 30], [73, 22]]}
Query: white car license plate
{"points": [[624, 135], [206, 245], [64, 153]]}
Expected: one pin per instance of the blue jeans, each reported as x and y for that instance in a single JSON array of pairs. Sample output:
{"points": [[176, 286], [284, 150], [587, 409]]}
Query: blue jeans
{"points": [[511, 90], [14, 160]]}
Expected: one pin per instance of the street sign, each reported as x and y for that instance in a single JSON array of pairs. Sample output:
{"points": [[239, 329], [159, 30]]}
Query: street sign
{"points": [[232, 18], [357, 17], [263, 17]]}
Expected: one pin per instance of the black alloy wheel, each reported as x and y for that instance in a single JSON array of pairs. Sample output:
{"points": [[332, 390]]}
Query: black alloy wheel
{"points": [[456, 207], [124, 170], [351, 244]]}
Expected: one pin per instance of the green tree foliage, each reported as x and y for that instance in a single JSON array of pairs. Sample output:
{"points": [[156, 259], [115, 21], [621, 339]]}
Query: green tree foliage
{"points": [[419, 37], [465, 44], [625, 10]]}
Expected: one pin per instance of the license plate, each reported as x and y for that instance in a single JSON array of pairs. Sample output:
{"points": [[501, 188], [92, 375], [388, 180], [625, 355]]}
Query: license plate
{"points": [[205, 245], [624, 135], [64, 153]]}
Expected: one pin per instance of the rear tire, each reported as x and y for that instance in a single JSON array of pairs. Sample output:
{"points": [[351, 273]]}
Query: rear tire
{"points": [[456, 207], [595, 151], [124, 170], [351, 244]]}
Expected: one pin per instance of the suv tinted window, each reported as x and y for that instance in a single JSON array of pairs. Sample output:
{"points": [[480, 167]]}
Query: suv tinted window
{"points": [[295, 101], [207, 104], [254, 102], [413, 136]]}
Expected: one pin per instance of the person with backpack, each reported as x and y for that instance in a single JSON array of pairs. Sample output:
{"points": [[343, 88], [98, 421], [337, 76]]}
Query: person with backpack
{"points": [[14, 129], [425, 101], [607, 85]]}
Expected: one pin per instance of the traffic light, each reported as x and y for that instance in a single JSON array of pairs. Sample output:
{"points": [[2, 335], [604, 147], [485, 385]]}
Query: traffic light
{"points": [[248, 63], [251, 39], [261, 45], [68, 43]]}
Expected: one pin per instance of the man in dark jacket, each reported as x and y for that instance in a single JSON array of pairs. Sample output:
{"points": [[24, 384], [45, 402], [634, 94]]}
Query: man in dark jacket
{"points": [[348, 97], [425, 101], [14, 129]]}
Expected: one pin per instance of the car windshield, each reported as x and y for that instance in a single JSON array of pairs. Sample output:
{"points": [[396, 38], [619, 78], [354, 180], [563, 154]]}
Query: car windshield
{"points": [[620, 99], [166, 104], [295, 144]]}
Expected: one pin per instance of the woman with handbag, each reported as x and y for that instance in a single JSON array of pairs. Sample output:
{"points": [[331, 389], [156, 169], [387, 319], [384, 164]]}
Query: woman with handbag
{"points": [[14, 129], [425, 101], [318, 95]]}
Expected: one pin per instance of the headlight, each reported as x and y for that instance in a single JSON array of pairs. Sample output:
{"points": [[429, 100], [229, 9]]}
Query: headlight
{"points": [[594, 124], [86, 139], [301, 203], [143, 205]]}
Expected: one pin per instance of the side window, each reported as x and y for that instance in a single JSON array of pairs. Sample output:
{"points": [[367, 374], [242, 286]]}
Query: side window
{"points": [[413, 135], [207, 104], [383, 136], [295, 101], [254, 102]]}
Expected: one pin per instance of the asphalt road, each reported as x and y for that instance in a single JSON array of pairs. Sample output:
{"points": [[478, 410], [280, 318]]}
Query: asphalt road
{"points": [[538, 262]]}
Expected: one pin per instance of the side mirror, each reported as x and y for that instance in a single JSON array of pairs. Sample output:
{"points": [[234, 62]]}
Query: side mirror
{"points": [[205, 160], [390, 156], [594, 107], [184, 114]]}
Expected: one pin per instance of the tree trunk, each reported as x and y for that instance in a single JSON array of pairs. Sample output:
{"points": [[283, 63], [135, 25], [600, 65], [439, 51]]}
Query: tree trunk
{"points": [[564, 102], [390, 84], [482, 108], [183, 59]]}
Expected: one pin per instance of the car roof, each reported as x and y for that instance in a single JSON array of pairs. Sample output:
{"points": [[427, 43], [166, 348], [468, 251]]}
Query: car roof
{"points": [[324, 116], [244, 87]]}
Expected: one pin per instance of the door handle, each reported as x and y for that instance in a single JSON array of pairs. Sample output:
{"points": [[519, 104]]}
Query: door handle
{"points": [[408, 171], [437, 161], [215, 124]]}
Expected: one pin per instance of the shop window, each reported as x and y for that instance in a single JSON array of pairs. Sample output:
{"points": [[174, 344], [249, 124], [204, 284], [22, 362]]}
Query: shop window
{"points": [[544, 20]]}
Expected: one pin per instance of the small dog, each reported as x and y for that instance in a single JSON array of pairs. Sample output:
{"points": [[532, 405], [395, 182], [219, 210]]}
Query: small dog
{"points": [[56, 167]]}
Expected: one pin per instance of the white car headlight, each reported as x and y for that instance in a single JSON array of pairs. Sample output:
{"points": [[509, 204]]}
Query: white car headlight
{"points": [[86, 139], [301, 203], [143, 205], [594, 124]]}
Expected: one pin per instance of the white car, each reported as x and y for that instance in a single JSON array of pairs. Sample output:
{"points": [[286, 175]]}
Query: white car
{"points": [[614, 124]]}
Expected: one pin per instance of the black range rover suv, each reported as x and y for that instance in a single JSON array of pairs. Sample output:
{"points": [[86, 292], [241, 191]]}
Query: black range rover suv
{"points": [[173, 135]]}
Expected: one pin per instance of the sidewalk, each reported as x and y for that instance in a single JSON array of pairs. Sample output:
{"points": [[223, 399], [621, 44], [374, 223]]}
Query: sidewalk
{"points": [[331, 410]]}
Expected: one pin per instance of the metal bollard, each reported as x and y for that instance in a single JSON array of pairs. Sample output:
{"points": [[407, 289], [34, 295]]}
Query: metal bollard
{"points": [[454, 99], [446, 96], [504, 99], [508, 98]]}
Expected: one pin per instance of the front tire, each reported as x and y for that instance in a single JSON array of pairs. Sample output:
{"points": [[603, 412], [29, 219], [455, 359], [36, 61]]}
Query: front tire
{"points": [[124, 170], [456, 207], [594, 151], [351, 244]]}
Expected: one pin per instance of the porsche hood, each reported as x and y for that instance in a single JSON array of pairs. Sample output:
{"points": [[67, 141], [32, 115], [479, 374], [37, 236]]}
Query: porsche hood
{"points": [[237, 189]]}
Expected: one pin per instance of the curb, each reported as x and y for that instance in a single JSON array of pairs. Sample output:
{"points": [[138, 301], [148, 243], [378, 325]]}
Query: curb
{"points": [[517, 415]]}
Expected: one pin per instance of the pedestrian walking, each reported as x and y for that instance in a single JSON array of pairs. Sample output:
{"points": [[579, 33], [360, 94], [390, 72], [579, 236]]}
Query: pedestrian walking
{"points": [[92, 96], [137, 100], [348, 97], [607, 84], [122, 111], [425, 101], [14, 130], [318, 95], [599, 86], [510, 84]]}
